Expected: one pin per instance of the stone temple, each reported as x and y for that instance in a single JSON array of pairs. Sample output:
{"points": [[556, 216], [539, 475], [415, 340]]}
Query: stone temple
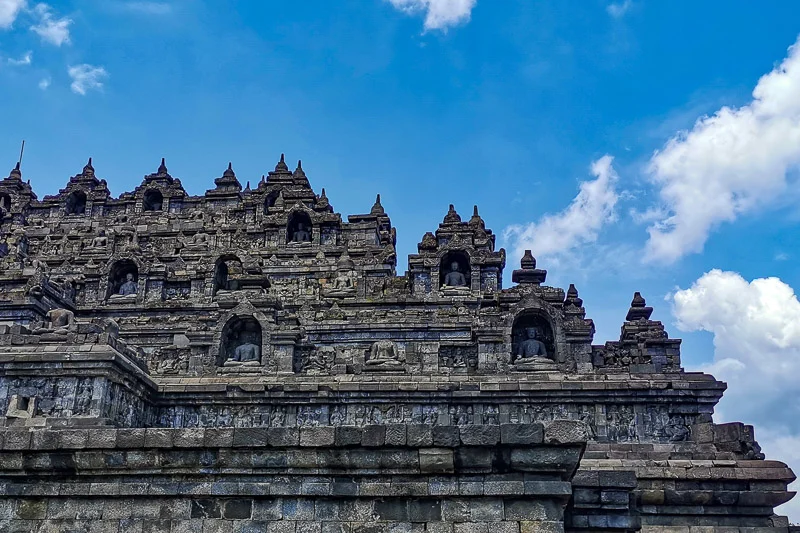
{"points": [[249, 361]]}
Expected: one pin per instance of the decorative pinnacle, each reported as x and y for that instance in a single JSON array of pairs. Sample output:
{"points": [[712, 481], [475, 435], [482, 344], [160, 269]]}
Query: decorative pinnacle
{"points": [[88, 170], [281, 166], [299, 172], [162, 168], [247, 187], [638, 309], [528, 262], [572, 296], [377, 208], [451, 217], [16, 172], [323, 195], [229, 173]]}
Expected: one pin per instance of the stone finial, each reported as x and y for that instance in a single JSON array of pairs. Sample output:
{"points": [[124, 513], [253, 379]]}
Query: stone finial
{"points": [[282, 166], [377, 208], [572, 296], [638, 309], [162, 168], [263, 180], [229, 173], [528, 274], [452, 217], [88, 169], [476, 219], [528, 262], [299, 172], [15, 173], [247, 187], [323, 195]]}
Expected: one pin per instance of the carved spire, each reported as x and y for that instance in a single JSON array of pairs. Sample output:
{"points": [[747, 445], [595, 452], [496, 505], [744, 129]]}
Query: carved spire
{"points": [[528, 274], [88, 170], [452, 217], [229, 173], [476, 219], [281, 166], [638, 309], [15, 173], [323, 195], [263, 181], [299, 172], [247, 187], [162, 168], [377, 208], [572, 296]]}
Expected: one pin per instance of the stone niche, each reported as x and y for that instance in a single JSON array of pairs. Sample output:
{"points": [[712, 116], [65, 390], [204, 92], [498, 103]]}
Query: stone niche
{"points": [[527, 323], [227, 273], [240, 343], [76, 203], [123, 280], [299, 228], [452, 262], [153, 200]]}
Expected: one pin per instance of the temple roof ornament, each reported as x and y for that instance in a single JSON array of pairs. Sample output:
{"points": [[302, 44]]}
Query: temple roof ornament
{"points": [[162, 168], [528, 273], [88, 169], [377, 208], [452, 217], [638, 309], [15, 173]]}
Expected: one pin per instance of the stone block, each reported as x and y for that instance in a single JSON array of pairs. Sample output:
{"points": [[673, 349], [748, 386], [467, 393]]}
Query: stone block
{"points": [[158, 438], [373, 436], [238, 509], [447, 436], [436, 460], [283, 437], [206, 508], [419, 435], [521, 433], [396, 435], [130, 438], [317, 436], [424, 510], [253, 437], [189, 438], [566, 432], [486, 509], [347, 436], [480, 435], [218, 437]]}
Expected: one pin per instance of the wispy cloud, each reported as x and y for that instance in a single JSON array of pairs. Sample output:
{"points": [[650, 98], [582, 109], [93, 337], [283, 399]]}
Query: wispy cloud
{"points": [[556, 235], [51, 29], [148, 8], [727, 165], [44, 83], [439, 14], [619, 9], [26, 59], [86, 78], [9, 10]]}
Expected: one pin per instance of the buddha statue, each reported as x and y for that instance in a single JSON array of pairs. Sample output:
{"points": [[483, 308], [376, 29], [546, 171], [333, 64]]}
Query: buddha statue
{"points": [[101, 241], [384, 353], [455, 278], [129, 287], [57, 322], [531, 350], [301, 234], [245, 353]]}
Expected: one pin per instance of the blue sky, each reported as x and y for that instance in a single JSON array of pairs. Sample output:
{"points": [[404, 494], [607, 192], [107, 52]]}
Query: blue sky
{"points": [[512, 105]]}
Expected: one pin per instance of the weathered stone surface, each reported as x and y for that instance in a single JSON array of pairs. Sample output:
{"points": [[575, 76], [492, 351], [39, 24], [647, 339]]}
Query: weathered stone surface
{"points": [[249, 360]]}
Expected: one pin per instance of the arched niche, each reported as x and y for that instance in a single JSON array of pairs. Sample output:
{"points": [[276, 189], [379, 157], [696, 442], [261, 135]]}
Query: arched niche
{"points": [[240, 343], [452, 262], [153, 200], [76, 203], [227, 272], [537, 322], [5, 202], [269, 201], [123, 279], [299, 228]]}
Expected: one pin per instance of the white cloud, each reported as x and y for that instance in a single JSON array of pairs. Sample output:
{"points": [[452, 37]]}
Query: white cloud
{"points": [[618, 9], [86, 77], [439, 14], [558, 234], [44, 83], [148, 8], [9, 9], [51, 29], [26, 59], [756, 328], [728, 164]]}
